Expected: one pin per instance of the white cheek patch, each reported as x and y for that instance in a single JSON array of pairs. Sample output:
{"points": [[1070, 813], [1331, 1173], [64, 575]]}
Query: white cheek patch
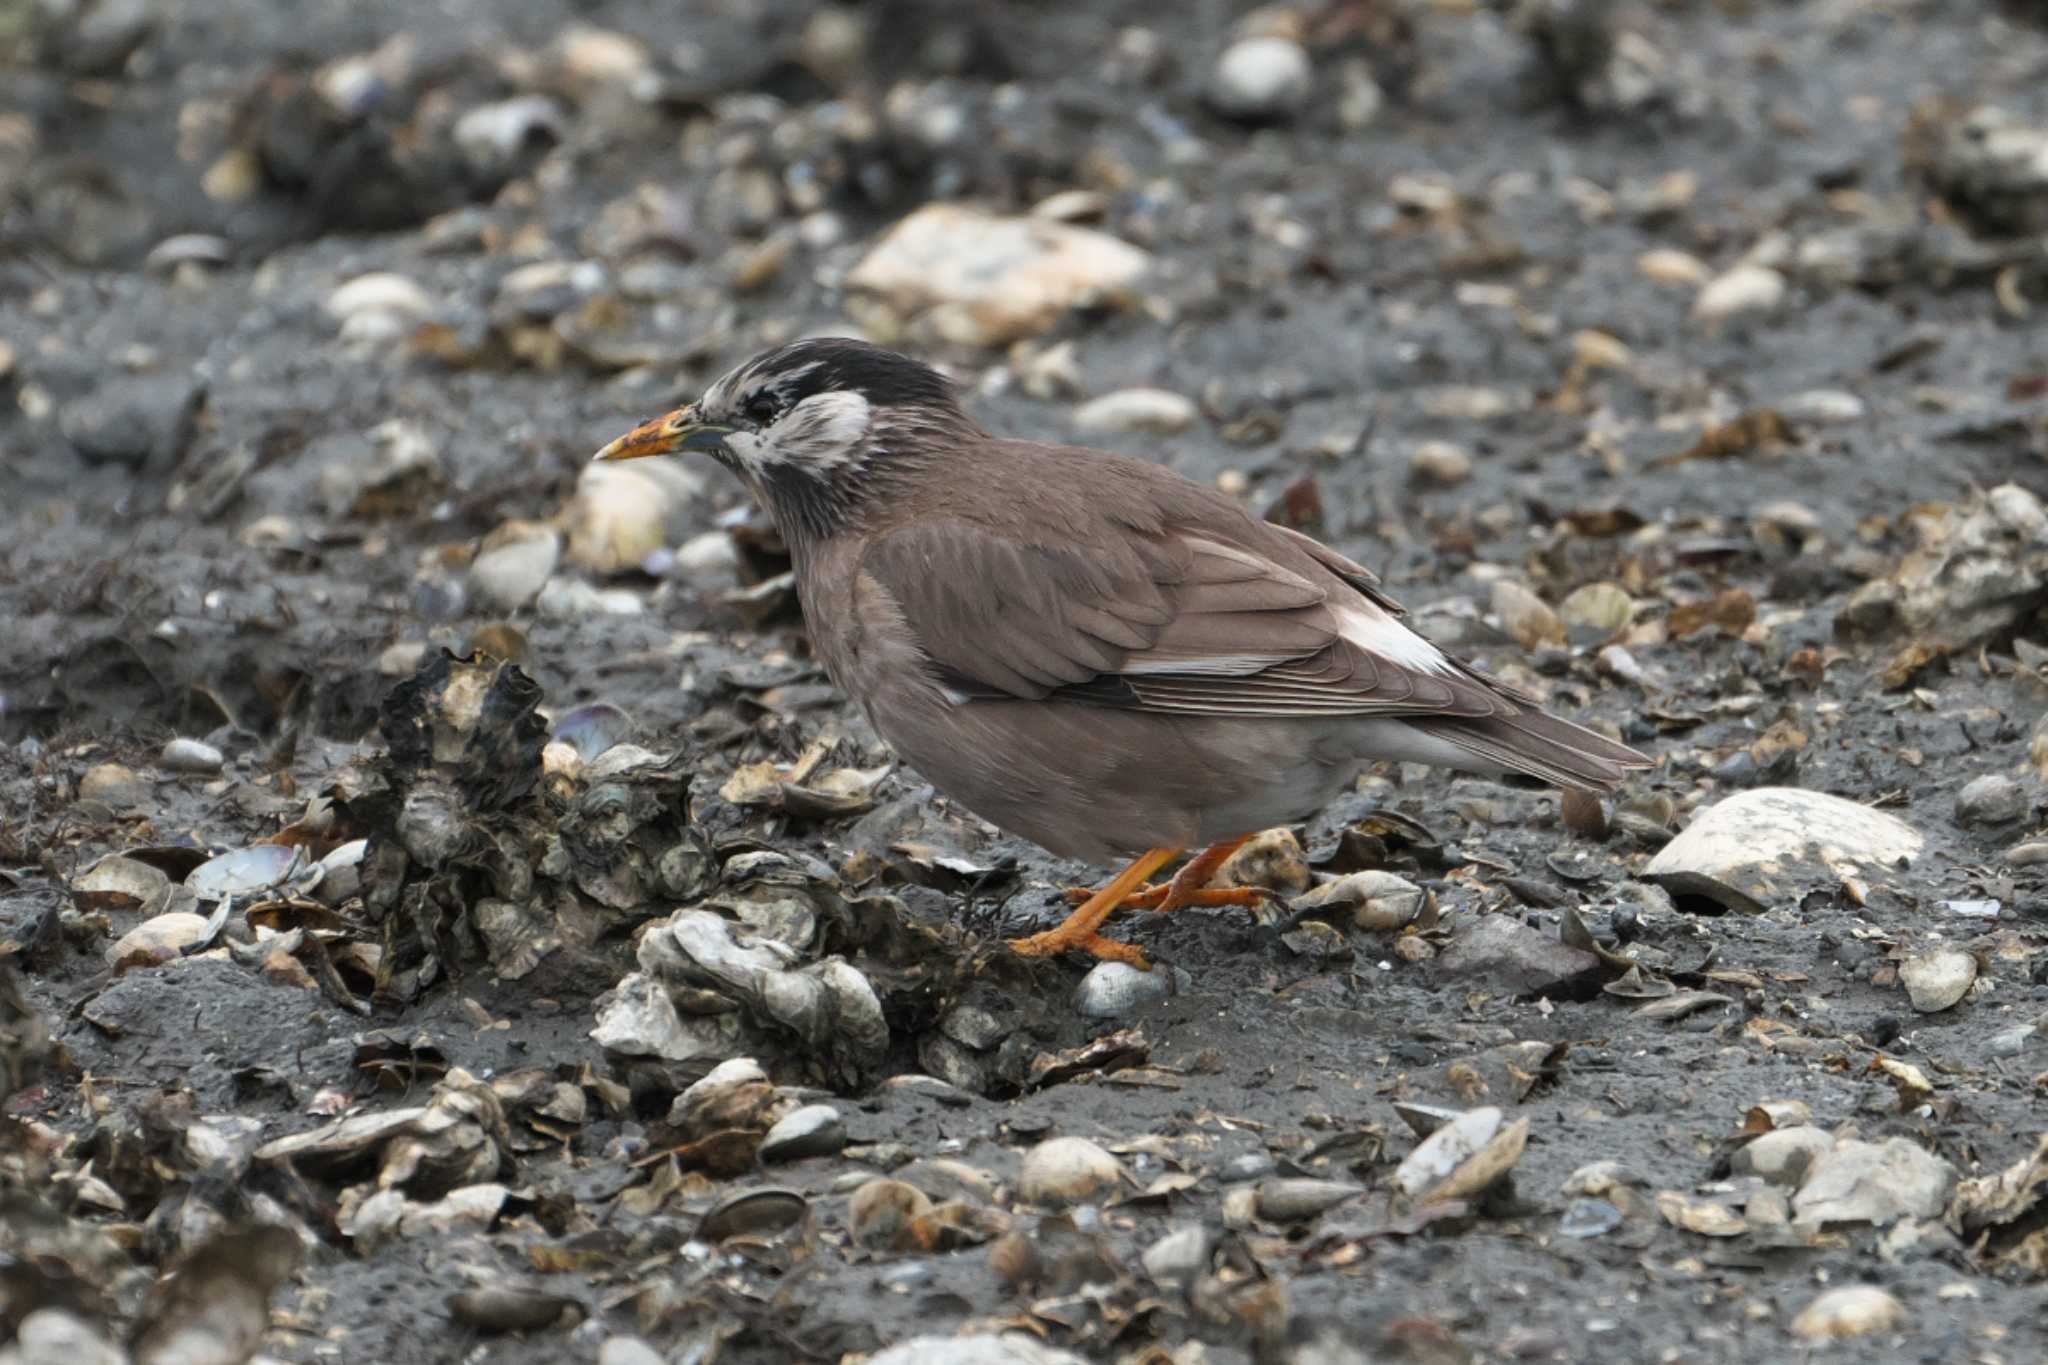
{"points": [[825, 431]]}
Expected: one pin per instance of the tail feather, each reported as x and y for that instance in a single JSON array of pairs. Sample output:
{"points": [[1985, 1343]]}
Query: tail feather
{"points": [[1538, 745]]}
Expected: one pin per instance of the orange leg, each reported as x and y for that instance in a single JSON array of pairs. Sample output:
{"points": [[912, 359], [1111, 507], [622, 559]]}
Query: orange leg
{"points": [[1079, 930], [1189, 886]]}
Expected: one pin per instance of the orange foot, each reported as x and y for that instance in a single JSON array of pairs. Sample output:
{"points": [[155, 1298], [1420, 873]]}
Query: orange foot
{"points": [[1081, 930]]}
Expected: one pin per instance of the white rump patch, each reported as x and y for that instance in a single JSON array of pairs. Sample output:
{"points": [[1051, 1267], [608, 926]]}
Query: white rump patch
{"points": [[1375, 632]]}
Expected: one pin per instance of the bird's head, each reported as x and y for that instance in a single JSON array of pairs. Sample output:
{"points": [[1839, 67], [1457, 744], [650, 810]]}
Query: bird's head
{"points": [[811, 427]]}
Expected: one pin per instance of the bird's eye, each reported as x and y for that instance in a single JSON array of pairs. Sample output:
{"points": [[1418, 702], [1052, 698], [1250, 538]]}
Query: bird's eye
{"points": [[760, 408]]}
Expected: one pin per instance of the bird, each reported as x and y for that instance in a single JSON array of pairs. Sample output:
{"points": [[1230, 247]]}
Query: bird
{"points": [[1088, 649]]}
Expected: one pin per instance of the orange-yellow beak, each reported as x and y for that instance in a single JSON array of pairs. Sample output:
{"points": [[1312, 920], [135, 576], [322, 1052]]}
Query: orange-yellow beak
{"points": [[678, 431]]}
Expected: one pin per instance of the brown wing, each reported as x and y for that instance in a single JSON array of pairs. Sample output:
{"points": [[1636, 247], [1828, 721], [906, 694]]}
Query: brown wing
{"points": [[1197, 620]]}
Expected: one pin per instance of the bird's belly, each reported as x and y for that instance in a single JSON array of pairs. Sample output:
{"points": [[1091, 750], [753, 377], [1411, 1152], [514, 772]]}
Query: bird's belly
{"points": [[1099, 784]]}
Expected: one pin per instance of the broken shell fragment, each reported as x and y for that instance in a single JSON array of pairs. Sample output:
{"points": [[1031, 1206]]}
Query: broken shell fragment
{"points": [[1463, 1158], [762, 1212]]}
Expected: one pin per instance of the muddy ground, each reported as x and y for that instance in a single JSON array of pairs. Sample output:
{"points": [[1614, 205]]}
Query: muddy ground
{"points": [[1417, 253]]}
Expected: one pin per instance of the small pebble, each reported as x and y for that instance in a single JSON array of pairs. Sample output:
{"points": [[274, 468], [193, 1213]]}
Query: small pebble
{"points": [[1261, 80], [1673, 267], [1157, 411], [1853, 1310], [1745, 289], [157, 939], [1114, 989], [114, 783], [50, 1334], [514, 563], [1938, 979], [880, 1212], [191, 756], [1245, 1166], [1599, 609], [1067, 1170], [2012, 1041], [1179, 1256], [403, 659], [1296, 1199], [628, 1351], [814, 1130], [1993, 799], [2028, 854], [379, 292], [1823, 407], [1526, 618], [1440, 463]]}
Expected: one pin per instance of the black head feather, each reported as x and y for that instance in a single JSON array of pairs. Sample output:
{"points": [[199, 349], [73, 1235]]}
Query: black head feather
{"points": [[794, 372]]}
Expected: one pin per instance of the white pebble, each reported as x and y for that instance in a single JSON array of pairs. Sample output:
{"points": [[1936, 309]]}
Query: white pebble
{"points": [[381, 291], [1157, 411], [1823, 407], [1261, 78], [190, 756], [1745, 289], [1440, 463]]}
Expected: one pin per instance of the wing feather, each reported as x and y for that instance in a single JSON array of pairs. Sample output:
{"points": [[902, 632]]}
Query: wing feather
{"points": [[1164, 620]]}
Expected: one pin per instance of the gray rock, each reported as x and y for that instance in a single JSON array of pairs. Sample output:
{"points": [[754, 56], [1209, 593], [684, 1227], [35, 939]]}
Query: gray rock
{"points": [[2011, 1042], [814, 1130], [1771, 844], [145, 421], [191, 756], [1784, 1155], [1938, 979], [1993, 799], [1506, 954], [1179, 1256], [1876, 1183], [1261, 80]]}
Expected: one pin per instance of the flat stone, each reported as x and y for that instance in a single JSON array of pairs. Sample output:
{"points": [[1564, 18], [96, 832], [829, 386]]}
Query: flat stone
{"points": [[1501, 952], [1769, 845], [140, 421], [1872, 1182]]}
